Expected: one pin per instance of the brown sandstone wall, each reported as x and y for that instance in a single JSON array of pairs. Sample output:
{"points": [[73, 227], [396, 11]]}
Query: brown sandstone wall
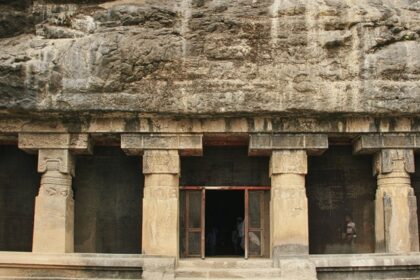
{"points": [[201, 57], [339, 183], [108, 190]]}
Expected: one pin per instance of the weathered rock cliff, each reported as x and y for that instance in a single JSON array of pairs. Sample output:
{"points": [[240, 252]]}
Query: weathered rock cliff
{"points": [[226, 57]]}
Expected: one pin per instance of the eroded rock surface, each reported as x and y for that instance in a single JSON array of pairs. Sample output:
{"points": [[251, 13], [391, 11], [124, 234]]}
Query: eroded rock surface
{"points": [[191, 57]]}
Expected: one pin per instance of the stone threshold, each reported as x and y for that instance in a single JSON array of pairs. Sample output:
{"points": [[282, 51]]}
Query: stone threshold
{"points": [[76, 259], [367, 266], [27, 265], [365, 260]]}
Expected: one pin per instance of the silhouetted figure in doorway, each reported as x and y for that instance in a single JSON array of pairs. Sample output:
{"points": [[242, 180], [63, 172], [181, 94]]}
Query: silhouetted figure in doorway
{"points": [[349, 234]]}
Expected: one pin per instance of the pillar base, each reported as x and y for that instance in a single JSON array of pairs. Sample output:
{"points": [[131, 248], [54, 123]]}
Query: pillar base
{"points": [[296, 268]]}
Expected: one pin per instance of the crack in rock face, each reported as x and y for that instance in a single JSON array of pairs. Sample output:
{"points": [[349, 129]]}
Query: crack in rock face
{"points": [[211, 57]]}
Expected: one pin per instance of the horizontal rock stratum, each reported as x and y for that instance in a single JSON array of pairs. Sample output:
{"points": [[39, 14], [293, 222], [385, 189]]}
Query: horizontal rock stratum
{"points": [[210, 57]]}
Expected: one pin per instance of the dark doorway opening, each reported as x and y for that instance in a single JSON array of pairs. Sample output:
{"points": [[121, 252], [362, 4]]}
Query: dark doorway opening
{"points": [[224, 230]]}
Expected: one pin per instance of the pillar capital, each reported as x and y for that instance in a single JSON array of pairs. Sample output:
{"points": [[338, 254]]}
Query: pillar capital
{"points": [[393, 160], [264, 144], [186, 144], [77, 143], [161, 162], [288, 162], [60, 160]]}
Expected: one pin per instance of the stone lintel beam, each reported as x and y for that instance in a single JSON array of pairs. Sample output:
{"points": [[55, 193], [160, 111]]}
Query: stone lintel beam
{"points": [[372, 143], [186, 144], [264, 144], [77, 143]]}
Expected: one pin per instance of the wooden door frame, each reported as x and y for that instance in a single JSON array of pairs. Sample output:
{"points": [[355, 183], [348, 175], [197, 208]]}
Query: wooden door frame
{"points": [[188, 229], [203, 189]]}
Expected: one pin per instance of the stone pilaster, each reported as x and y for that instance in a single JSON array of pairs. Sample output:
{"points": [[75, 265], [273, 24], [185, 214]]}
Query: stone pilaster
{"points": [[396, 228], [289, 207], [54, 205], [396, 221], [161, 167]]}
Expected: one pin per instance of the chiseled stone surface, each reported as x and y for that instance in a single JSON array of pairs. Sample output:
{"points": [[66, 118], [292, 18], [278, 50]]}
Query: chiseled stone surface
{"points": [[134, 144], [54, 205], [129, 124], [191, 57], [396, 223], [264, 143], [367, 266], [32, 142], [297, 268], [373, 143], [20, 265], [289, 207], [160, 202]]}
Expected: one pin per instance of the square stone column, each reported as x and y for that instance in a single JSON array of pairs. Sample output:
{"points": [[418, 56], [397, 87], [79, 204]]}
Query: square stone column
{"points": [[161, 168], [396, 224], [396, 221], [160, 202], [289, 205], [54, 205]]}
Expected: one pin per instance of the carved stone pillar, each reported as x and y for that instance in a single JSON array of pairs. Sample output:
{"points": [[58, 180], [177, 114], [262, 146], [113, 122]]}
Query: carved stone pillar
{"points": [[54, 205], [160, 202], [161, 167], [289, 206], [396, 229]]}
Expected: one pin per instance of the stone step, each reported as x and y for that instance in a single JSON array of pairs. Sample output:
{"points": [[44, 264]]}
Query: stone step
{"points": [[58, 278], [61, 278], [224, 273], [215, 263], [253, 278]]}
